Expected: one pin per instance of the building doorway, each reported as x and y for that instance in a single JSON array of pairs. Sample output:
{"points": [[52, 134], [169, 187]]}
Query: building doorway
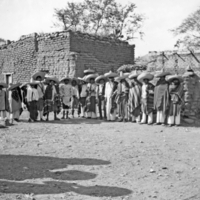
{"points": [[8, 78]]}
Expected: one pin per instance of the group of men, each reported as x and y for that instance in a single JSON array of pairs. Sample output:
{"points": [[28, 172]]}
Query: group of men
{"points": [[113, 97]]}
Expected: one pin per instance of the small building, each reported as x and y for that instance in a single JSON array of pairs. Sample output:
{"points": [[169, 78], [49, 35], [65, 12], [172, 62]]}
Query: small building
{"points": [[62, 54]]}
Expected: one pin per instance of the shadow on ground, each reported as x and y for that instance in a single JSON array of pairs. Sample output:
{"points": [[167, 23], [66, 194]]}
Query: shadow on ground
{"points": [[15, 169], [21, 167], [54, 187], [68, 121]]}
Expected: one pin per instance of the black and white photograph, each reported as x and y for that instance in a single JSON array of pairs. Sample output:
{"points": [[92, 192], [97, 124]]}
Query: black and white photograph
{"points": [[99, 100]]}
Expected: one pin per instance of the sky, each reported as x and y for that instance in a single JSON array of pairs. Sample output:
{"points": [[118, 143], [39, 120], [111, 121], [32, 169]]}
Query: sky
{"points": [[22, 17]]}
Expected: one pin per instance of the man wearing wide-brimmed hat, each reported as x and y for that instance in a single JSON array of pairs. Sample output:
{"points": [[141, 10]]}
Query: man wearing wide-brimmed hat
{"points": [[88, 72], [66, 95], [147, 97], [51, 97], [111, 106], [32, 100], [4, 106], [176, 102], [91, 99], [134, 100], [122, 97], [15, 102], [75, 97], [83, 95], [161, 97], [39, 76], [100, 81]]}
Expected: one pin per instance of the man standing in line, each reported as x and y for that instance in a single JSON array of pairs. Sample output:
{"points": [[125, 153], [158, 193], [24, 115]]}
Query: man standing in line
{"points": [[161, 98], [147, 97], [109, 91]]}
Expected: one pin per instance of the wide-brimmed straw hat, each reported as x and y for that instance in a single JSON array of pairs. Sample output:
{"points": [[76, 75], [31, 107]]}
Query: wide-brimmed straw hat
{"points": [[88, 77], [3, 85], [101, 77], [40, 73], [123, 77], [172, 77], [133, 75], [13, 86], [82, 79], [34, 83], [24, 84], [110, 74], [65, 78], [145, 75], [161, 74], [89, 71], [51, 78]]}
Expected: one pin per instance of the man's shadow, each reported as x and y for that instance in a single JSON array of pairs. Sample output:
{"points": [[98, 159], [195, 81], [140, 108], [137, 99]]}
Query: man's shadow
{"points": [[16, 169]]}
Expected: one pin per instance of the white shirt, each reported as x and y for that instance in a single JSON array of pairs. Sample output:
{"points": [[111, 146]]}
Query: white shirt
{"points": [[109, 89], [32, 94], [83, 91]]}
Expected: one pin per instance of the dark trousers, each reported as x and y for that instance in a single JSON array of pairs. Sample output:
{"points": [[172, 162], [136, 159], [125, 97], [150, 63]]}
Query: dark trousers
{"points": [[33, 110], [101, 106]]}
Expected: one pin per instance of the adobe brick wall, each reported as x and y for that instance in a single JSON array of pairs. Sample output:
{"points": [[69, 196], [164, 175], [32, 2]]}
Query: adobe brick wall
{"points": [[100, 54], [62, 53], [18, 58]]}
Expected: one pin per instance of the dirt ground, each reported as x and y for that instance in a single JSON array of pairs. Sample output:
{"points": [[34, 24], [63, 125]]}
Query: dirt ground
{"points": [[95, 160]]}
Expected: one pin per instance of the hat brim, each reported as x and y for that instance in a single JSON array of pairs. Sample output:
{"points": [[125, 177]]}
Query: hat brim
{"points": [[161, 74], [141, 77], [110, 75], [41, 74], [171, 78], [99, 78], [123, 77], [4, 85], [63, 79], [186, 74], [48, 78], [14, 86], [90, 77]]}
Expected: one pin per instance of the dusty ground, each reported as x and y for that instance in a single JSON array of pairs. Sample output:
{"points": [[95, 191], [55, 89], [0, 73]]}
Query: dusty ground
{"points": [[91, 159]]}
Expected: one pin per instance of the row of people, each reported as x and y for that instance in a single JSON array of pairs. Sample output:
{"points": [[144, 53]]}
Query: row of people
{"points": [[130, 96]]}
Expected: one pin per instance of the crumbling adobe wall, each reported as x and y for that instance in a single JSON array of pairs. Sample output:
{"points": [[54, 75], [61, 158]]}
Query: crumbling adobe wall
{"points": [[100, 54], [53, 53], [18, 58], [63, 54], [169, 64]]}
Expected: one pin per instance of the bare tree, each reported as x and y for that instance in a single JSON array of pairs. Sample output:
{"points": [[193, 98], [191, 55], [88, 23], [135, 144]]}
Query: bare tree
{"points": [[189, 31]]}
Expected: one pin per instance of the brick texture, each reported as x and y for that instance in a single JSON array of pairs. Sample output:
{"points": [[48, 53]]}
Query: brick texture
{"points": [[62, 53]]}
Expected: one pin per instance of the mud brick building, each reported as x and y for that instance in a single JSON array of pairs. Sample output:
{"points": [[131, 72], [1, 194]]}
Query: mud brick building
{"points": [[61, 54], [191, 84]]}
